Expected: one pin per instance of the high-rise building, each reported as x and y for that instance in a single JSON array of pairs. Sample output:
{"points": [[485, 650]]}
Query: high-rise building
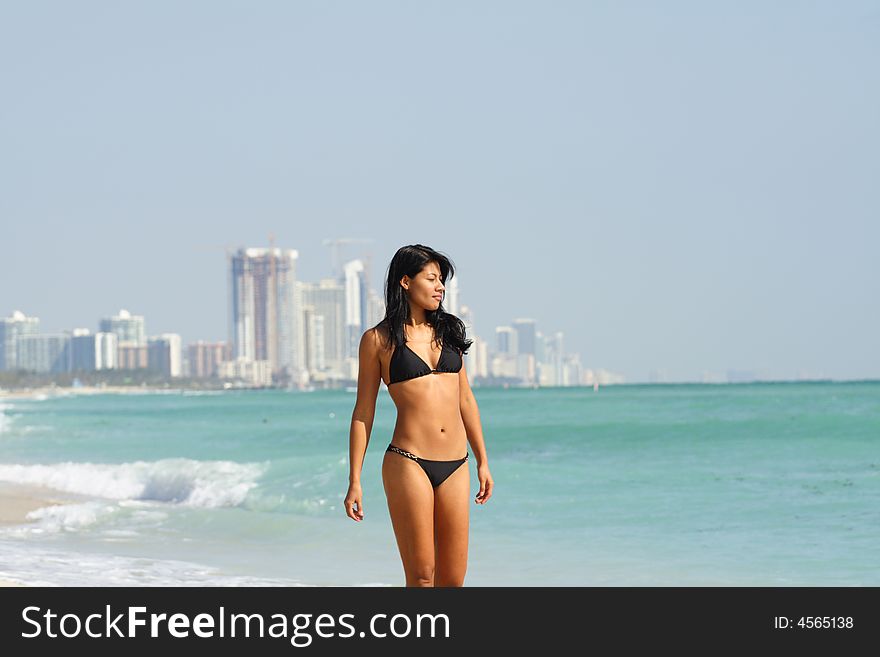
{"points": [[466, 315], [205, 358], [18, 324], [90, 352], [375, 309], [505, 338], [106, 351], [477, 359], [525, 349], [315, 342], [327, 300], [572, 370], [525, 336], [450, 297], [164, 354], [355, 306], [540, 347], [82, 350], [131, 356], [129, 329], [552, 371], [263, 309], [44, 353], [540, 356]]}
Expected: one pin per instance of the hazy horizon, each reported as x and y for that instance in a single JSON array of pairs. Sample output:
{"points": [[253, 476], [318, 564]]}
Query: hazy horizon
{"points": [[682, 189]]}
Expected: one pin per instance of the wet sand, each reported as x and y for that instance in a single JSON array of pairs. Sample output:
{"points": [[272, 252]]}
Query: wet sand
{"points": [[17, 500]]}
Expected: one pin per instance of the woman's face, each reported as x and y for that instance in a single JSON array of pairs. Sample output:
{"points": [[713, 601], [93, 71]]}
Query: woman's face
{"points": [[426, 289]]}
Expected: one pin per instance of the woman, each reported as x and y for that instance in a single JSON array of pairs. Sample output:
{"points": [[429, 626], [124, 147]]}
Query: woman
{"points": [[426, 478]]}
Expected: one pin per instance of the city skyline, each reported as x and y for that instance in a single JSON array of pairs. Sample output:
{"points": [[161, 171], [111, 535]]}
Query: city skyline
{"points": [[687, 191], [493, 339], [490, 338], [287, 332]]}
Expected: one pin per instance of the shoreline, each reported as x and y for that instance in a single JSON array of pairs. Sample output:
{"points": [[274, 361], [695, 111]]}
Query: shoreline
{"points": [[16, 502], [55, 391], [59, 391]]}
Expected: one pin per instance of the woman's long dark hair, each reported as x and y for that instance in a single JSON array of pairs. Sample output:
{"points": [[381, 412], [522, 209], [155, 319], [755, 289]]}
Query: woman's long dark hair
{"points": [[410, 260]]}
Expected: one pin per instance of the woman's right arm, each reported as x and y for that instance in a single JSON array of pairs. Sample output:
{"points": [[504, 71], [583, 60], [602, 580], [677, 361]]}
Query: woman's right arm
{"points": [[369, 378]]}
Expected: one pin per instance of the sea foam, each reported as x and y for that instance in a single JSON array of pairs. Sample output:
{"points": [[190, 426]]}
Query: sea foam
{"points": [[207, 484]]}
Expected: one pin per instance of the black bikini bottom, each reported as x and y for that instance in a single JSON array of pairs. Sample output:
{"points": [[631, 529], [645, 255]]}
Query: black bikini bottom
{"points": [[437, 471]]}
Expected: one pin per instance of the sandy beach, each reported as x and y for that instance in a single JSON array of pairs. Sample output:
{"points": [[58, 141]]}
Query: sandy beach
{"points": [[17, 500]]}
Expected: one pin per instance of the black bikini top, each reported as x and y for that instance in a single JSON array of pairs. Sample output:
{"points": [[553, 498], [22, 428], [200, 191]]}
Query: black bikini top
{"points": [[407, 364]]}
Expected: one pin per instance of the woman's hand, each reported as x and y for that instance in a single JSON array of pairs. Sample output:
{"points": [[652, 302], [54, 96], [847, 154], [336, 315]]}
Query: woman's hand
{"points": [[354, 497], [486, 484]]}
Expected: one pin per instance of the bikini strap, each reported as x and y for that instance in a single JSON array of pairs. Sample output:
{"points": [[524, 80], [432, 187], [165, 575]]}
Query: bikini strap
{"points": [[403, 452]]}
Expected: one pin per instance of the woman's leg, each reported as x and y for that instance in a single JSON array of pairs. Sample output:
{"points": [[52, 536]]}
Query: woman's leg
{"points": [[451, 522], [410, 500]]}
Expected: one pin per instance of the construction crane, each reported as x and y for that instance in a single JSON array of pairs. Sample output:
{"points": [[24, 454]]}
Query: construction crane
{"points": [[334, 251]]}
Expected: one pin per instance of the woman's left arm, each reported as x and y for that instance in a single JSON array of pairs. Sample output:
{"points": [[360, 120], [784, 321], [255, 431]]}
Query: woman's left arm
{"points": [[470, 415]]}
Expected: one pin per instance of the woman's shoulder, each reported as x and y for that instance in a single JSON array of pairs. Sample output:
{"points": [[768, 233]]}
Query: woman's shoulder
{"points": [[379, 335], [380, 329]]}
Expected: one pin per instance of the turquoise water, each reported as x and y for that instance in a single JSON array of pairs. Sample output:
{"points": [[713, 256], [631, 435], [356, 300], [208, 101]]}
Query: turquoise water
{"points": [[751, 484]]}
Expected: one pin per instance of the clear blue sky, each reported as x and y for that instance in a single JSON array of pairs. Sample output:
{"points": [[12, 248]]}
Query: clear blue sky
{"points": [[686, 187]]}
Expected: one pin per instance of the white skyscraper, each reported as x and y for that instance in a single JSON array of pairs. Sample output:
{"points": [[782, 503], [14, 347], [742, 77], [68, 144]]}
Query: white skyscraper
{"points": [[375, 309], [315, 342], [129, 329], [450, 298], [164, 354], [10, 330], [355, 305], [552, 371], [525, 349], [91, 352], [325, 300], [105, 351]]}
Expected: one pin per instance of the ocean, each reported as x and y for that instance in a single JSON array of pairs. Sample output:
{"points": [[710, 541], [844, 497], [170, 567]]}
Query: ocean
{"points": [[761, 484]]}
